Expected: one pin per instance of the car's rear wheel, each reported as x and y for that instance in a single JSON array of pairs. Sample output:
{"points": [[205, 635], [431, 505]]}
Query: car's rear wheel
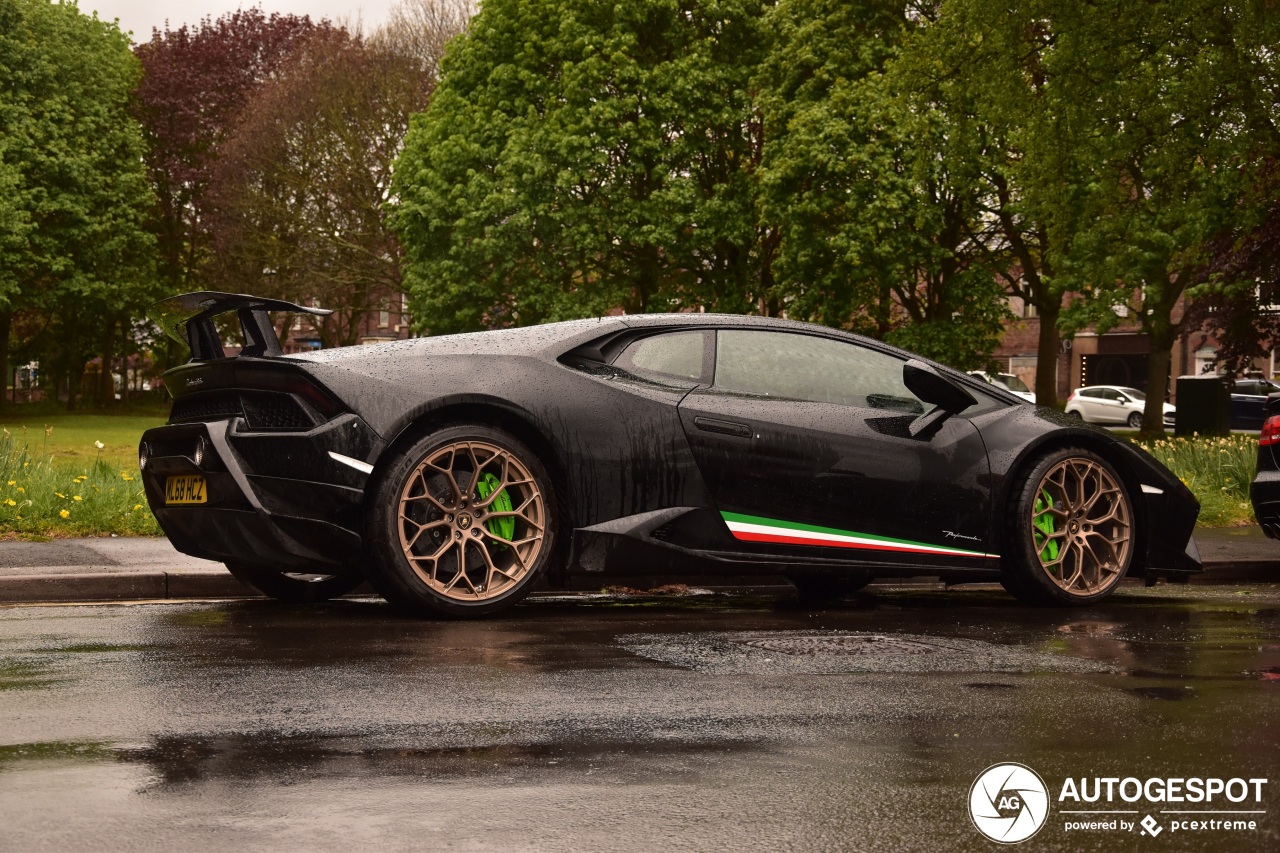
{"points": [[817, 588], [294, 587], [1071, 534], [1135, 420], [463, 524]]}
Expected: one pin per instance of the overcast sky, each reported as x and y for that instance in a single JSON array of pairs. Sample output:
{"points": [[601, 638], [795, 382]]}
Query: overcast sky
{"points": [[141, 15]]}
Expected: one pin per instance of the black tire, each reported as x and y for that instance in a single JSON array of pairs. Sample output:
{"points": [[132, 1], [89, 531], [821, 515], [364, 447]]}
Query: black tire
{"points": [[1060, 550], [818, 588], [294, 588], [478, 545], [1135, 420], [1075, 413]]}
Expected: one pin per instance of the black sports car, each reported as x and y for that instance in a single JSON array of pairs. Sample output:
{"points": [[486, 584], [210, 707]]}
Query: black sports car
{"points": [[455, 472]]}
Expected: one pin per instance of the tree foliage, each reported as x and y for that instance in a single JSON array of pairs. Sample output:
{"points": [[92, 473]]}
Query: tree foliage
{"points": [[197, 80], [301, 186], [872, 183], [75, 259], [578, 157]]}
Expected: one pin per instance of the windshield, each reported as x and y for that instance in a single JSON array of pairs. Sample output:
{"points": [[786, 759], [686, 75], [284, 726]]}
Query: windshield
{"points": [[1133, 393], [1013, 383]]}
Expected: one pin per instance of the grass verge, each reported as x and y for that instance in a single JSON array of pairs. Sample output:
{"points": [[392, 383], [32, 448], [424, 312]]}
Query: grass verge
{"points": [[41, 496], [1217, 470]]}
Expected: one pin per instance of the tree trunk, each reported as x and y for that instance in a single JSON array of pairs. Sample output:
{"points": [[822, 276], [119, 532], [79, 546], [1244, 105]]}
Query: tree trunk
{"points": [[106, 392], [6, 323], [1047, 353], [1162, 338]]}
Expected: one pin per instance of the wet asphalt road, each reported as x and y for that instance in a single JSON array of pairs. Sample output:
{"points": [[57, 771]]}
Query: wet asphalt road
{"points": [[704, 723]]}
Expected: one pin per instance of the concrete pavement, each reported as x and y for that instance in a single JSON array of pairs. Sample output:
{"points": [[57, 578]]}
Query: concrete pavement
{"points": [[140, 568]]}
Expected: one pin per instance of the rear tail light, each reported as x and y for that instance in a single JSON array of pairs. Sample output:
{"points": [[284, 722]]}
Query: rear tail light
{"points": [[1270, 432]]}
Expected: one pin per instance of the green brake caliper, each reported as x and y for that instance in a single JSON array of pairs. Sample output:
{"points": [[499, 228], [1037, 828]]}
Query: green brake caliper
{"points": [[1042, 521], [505, 527]]}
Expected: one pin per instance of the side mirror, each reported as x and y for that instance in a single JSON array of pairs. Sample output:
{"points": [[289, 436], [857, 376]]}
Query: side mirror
{"points": [[1123, 399], [932, 387]]}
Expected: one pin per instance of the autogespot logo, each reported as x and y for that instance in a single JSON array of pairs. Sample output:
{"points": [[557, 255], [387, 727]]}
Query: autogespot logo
{"points": [[1008, 803]]}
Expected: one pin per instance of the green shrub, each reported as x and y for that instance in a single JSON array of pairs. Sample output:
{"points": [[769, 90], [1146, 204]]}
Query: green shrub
{"points": [[1217, 470], [43, 497]]}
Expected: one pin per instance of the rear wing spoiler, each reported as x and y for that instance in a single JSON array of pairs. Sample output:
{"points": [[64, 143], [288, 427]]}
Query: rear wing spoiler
{"points": [[188, 319]]}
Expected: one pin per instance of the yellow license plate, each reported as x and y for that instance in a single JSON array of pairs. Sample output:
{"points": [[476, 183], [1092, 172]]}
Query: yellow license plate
{"points": [[185, 489]]}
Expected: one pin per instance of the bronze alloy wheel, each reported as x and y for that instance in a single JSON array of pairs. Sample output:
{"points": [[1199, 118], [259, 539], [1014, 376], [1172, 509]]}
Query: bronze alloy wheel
{"points": [[1070, 533], [471, 521], [1081, 526]]}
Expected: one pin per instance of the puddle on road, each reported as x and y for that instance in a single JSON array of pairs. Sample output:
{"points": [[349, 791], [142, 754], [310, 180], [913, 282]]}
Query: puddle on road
{"points": [[808, 652]]}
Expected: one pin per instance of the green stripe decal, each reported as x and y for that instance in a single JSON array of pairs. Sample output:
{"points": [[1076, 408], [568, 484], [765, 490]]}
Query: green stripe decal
{"points": [[753, 528]]}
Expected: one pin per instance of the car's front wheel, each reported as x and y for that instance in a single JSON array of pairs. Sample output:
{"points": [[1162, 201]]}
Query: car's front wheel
{"points": [[1070, 535], [294, 587], [463, 524], [1135, 420]]}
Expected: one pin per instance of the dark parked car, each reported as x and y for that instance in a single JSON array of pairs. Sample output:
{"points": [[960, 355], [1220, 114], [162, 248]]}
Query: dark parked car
{"points": [[1249, 402], [455, 472], [1265, 489]]}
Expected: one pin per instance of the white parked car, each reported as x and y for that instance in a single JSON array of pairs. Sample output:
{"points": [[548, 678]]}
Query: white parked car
{"points": [[1112, 404], [1007, 381]]}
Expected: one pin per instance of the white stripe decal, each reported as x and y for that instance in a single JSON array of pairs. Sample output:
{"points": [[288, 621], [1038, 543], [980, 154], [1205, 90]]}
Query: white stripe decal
{"points": [[847, 540], [362, 467]]}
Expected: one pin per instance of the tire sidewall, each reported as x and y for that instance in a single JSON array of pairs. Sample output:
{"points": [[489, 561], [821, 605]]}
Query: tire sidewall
{"points": [[1023, 574], [1135, 420], [389, 571]]}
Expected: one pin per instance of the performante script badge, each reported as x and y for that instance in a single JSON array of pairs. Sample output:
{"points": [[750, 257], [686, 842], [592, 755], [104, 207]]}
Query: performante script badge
{"points": [[1008, 803]]}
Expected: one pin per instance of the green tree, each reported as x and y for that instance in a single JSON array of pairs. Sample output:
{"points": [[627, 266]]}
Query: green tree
{"points": [[582, 156], [872, 183], [981, 67], [72, 155], [1132, 131]]}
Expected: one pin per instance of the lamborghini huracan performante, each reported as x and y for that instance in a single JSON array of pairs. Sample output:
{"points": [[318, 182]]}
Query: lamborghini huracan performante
{"points": [[455, 473]]}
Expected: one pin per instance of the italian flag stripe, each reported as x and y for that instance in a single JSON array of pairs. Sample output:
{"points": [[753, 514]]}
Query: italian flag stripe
{"points": [[751, 528]]}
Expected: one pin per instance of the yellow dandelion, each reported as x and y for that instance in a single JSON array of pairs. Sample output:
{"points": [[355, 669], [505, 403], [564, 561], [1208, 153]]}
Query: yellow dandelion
{"points": [[10, 502], [127, 478], [76, 498], [21, 490], [137, 507], [13, 482], [65, 514], [61, 495]]}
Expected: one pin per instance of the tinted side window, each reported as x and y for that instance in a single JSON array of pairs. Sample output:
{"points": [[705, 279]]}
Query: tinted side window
{"points": [[804, 367], [1109, 394], [675, 355]]}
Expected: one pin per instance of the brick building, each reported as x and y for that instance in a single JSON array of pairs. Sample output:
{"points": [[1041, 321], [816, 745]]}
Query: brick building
{"points": [[1118, 357]]}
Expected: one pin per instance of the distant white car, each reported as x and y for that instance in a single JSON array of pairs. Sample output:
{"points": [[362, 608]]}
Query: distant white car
{"points": [[1112, 404], [1007, 381]]}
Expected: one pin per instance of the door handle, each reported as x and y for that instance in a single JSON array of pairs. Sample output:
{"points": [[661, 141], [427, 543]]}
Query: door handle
{"points": [[723, 427]]}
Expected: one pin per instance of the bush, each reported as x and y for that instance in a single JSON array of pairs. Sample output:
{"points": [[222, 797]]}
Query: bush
{"points": [[42, 497], [1217, 470]]}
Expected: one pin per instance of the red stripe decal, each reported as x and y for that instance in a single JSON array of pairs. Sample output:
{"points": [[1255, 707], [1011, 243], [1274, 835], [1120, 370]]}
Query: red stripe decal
{"points": [[797, 540]]}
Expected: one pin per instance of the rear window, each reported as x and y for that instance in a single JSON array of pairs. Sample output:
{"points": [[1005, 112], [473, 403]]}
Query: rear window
{"points": [[676, 356]]}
